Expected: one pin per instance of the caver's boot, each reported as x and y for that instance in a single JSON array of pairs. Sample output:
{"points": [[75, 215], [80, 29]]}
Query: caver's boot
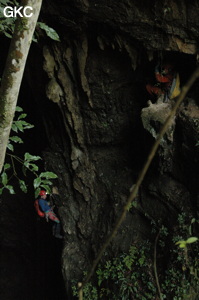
{"points": [[57, 231]]}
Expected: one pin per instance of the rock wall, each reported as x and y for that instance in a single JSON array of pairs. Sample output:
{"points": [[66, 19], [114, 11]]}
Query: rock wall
{"points": [[97, 77]]}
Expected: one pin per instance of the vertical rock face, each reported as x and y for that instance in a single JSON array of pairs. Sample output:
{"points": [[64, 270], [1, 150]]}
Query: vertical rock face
{"points": [[97, 77], [100, 109]]}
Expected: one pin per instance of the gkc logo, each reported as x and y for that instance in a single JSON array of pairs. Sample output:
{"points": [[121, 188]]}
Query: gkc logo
{"points": [[10, 12]]}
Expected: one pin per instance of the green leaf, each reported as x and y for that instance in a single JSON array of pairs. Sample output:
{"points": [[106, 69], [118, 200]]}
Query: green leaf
{"points": [[10, 147], [46, 187], [37, 182], [28, 126], [191, 240], [22, 116], [49, 31], [3, 2], [7, 34], [10, 188], [182, 244], [179, 242], [6, 166], [14, 127], [28, 156], [19, 125], [19, 109], [1, 190], [16, 139], [47, 182], [37, 192], [34, 38], [4, 178], [33, 167], [141, 261], [48, 175], [23, 186], [135, 204], [26, 164], [25, 124], [193, 220]]}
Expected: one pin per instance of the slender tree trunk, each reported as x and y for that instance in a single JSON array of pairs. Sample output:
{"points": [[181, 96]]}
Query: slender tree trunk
{"points": [[13, 73]]}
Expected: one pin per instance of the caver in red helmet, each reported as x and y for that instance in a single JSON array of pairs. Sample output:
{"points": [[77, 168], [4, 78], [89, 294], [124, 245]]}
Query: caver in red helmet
{"points": [[164, 73], [42, 193]]}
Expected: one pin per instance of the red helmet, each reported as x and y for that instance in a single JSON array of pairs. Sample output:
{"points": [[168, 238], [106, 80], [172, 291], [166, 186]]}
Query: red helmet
{"points": [[42, 193]]}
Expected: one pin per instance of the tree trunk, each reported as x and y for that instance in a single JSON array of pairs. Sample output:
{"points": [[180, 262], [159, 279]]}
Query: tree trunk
{"points": [[13, 73]]}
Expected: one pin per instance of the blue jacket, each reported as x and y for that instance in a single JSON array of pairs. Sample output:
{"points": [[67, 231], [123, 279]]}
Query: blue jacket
{"points": [[44, 205]]}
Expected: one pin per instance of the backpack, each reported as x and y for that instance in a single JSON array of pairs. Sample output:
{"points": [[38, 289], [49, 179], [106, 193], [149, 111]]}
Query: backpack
{"points": [[37, 208]]}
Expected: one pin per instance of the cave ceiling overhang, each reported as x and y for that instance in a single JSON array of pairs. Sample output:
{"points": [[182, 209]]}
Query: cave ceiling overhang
{"points": [[162, 25]]}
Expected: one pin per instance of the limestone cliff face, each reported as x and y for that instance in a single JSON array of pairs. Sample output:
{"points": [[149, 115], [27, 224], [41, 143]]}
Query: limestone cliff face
{"points": [[164, 25], [97, 77], [89, 92]]}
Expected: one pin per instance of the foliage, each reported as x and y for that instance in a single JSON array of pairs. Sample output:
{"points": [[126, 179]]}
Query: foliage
{"points": [[125, 277], [183, 244], [7, 24], [18, 125], [28, 163], [132, 275], [51, 33], [90, 291], [181, 277]]}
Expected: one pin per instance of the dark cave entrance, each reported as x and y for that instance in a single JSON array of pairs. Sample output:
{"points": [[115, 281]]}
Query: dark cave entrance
{"points": [[30, 255], [45, 116]]}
